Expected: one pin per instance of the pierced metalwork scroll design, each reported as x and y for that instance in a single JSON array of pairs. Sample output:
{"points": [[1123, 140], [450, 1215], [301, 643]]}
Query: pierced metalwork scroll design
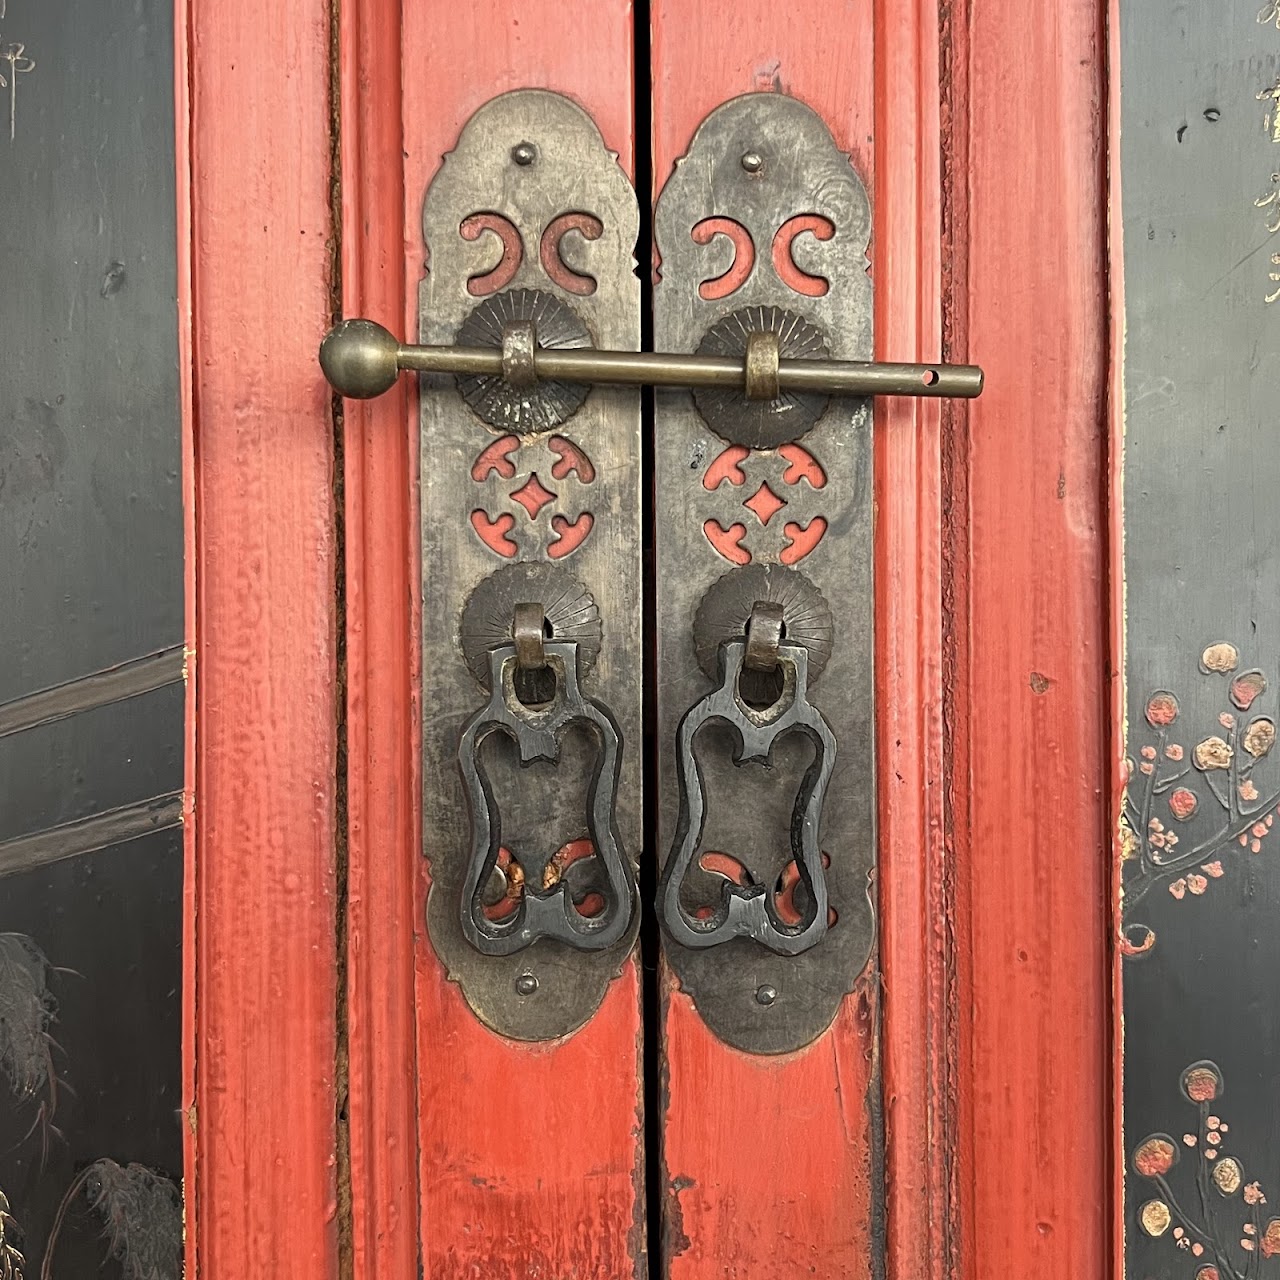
{"points": [[529, 206], [537, 732], [764, 216], [747, 911]]}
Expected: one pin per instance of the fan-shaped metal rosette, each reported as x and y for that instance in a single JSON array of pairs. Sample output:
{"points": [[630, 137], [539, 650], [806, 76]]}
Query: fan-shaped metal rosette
{"points": [[571, 612], [528, 410], [761, 424], [723, 613]]}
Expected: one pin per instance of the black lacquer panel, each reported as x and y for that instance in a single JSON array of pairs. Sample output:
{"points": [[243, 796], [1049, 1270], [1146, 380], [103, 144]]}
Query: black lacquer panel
{"points": [[1201, 866], [91, 634]]}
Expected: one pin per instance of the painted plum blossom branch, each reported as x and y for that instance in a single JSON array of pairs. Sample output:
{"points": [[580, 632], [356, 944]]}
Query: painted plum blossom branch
{"points": [[1217, 1182], [1167, 790]]}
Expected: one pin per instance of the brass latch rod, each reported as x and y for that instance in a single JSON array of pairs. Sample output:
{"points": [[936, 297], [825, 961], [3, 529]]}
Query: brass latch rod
{"points": [[362, 360]]}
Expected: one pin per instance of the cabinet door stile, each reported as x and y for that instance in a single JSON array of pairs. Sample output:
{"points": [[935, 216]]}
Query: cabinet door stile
{"points": [[770, 1164], [531, 1153]]}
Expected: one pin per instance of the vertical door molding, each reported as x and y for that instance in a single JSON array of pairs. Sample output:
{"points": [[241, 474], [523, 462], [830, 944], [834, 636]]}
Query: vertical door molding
{"points": [[380, 549], [725, 1210], [262, 1008], [1028, 709], [531, 1154], [915, 890]]}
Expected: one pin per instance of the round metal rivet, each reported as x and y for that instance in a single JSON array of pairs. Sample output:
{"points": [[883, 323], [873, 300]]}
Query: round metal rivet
{"points": [[526, 984], [766, 994], [753, 162], [524, 153]]}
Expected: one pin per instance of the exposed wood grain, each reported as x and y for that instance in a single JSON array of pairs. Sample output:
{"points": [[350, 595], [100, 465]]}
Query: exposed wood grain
{"points": [[1031, 845], [809, 1207], [532, 1158], [264, 1001], [382, 853]]}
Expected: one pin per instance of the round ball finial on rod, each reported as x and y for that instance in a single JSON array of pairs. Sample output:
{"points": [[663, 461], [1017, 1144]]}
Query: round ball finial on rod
{"points": [[360, 359]]}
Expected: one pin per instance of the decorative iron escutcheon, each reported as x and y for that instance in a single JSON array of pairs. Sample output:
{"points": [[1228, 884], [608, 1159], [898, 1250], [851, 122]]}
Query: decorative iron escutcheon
{"points": [[531, 496], [530, 327], [768, 824]]}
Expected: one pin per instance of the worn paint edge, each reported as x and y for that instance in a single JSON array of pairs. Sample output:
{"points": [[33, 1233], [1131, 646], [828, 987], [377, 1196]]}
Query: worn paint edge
{"points": [[1118, 620]]}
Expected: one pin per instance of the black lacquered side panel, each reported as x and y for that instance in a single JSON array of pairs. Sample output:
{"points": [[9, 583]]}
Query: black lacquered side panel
{"points": [[91, 597], [1200, 841]]}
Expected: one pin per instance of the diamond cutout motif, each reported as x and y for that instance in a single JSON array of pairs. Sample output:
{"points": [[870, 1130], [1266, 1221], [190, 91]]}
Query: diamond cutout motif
{"points": [[533, 495], [764, 504]]}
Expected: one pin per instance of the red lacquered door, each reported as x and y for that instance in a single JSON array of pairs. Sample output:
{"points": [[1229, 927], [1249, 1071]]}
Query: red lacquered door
{"points": [[949, 1114]]}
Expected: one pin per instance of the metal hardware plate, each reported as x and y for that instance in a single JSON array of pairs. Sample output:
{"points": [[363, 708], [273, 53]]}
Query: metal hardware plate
{"points": [[766, 202], [530, 494]]}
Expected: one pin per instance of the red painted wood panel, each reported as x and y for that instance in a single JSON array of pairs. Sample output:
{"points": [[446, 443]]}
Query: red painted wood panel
{"points": [[382, 850], [261, 1015], [807, 1208], [1032, 702], [531, 1155]]}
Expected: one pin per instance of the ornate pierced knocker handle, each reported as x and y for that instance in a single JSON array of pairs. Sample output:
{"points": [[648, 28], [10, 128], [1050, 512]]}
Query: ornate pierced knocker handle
{"points": [[747, 911], [537, 732]]}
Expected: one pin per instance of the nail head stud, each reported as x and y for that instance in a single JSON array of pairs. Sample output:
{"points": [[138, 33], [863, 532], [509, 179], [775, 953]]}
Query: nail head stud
{"points": [[524, 153], [753, 162], [526, 984], [766, 994]]}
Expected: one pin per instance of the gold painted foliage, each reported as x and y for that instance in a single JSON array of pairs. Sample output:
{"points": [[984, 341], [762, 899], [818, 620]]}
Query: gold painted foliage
{"points": [[11, 1261]]}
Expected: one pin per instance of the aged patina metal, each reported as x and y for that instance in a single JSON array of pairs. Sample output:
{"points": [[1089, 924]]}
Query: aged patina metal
{"points": [[550, 905], [747, 906], [735, 863], [362, 360], [530, 495]]}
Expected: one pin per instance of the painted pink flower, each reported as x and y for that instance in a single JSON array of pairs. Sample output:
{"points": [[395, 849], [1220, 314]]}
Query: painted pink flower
{"points": [[1148, 753], [1162, 709], [1227, 720], [1253, 1194], [1202, 1082], [1197, 884], [1183, 803], [1271, 1238], [1213, 869], [1174, 751], [1179, 889], [1245, 688], [1155, 1157], [1247, 790]]}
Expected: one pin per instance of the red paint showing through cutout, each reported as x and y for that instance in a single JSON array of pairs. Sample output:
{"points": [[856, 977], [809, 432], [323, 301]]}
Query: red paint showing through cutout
{"points": [[802, 538], [493, 533], [496, 458], [571, 534], [727, 465], [744, 256], [588, 227], [802, 465], [501, 275], [533, 495], [572, 460], [764, 504], [726, 541], [784, 262]]}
